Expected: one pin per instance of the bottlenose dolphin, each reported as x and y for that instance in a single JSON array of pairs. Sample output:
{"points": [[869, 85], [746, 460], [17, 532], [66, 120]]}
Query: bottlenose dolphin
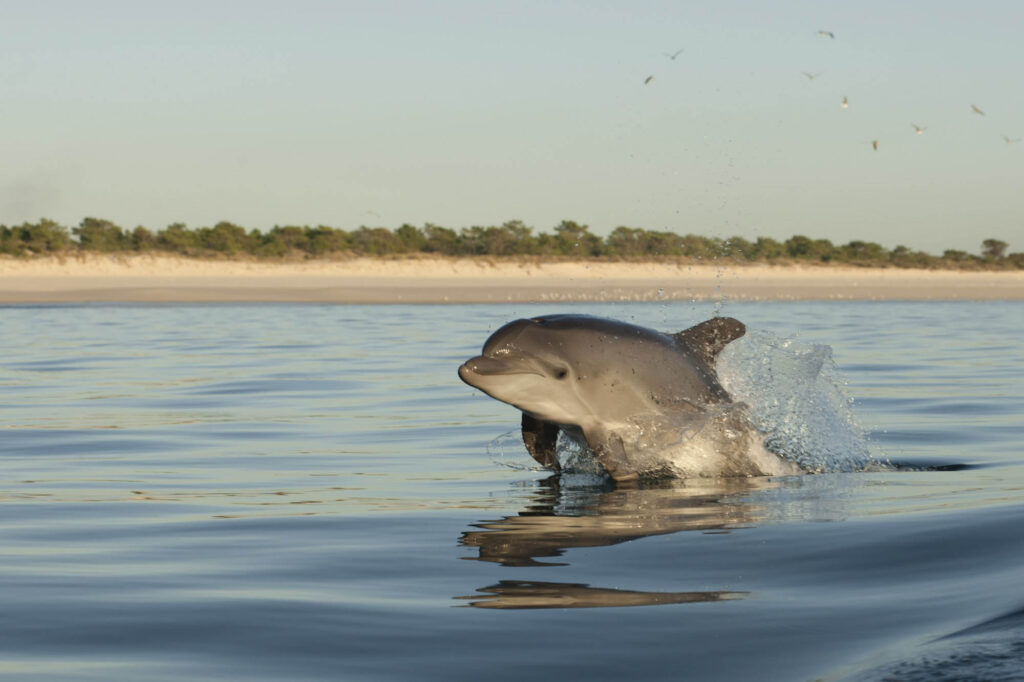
{"points": [[643, 401]]}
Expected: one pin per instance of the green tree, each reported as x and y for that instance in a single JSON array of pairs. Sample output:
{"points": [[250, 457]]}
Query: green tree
{"points": [[546, 245], [664, 243], [698, 247], [511, 238], [805, 248], [224, 237], [324, 240], [624, 242], [95, 234], [859, 251], [281, 241], [993, 249], [956, 256], [904, 257], [500, 241], [767, 249], [573, 239], [519, 235], [375, 241], [177, 238], [472, 241], [142, 239], [738, 248], [440, 240], [411, 238], [46, 236], [799, 246]]}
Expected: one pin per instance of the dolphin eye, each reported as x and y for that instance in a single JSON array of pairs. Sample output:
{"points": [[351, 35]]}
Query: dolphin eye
{"points": [[561, 373]]}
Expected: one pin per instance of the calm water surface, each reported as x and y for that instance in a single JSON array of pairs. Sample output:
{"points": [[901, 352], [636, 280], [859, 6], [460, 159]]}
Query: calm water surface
{"points": [[300, 492]]}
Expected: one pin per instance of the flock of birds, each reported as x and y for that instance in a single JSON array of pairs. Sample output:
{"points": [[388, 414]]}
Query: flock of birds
{"points": [[845, 103]]}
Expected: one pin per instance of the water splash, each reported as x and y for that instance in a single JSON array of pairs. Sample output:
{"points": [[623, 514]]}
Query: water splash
{"points": [[508, 451], [574, 457], [798, 399]]}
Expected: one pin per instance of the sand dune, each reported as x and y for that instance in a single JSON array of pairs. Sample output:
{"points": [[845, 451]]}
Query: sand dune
{"points": [[422, 280]]}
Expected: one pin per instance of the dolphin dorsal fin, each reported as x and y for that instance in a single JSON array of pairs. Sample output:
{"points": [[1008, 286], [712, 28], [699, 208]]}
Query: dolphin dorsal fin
{"points": [[708, 338]]}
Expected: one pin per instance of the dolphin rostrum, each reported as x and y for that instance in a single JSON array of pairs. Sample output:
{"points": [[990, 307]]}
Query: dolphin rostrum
{"points": [[643, 401]]}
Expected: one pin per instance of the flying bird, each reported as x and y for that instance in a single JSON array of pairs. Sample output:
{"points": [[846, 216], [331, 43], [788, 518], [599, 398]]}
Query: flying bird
{"points": [[826, 34], [977, 110], [1009, 140], [674, 54], [918, 129], [812, 76], [845, 103], [648, 79]]}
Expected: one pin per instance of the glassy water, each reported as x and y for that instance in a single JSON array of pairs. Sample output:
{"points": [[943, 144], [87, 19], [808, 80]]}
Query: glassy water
{"points": [[302, 492]]}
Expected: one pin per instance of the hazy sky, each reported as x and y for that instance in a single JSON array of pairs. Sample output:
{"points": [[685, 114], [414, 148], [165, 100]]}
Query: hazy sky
{"points": [[475, 113]]}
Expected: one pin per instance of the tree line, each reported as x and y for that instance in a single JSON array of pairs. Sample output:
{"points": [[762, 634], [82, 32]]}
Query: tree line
{"points": [[567, 240]]}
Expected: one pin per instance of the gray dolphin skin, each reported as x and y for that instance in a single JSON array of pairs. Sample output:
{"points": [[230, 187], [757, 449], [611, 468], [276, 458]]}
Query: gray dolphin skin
{"points": [[645, 402]]}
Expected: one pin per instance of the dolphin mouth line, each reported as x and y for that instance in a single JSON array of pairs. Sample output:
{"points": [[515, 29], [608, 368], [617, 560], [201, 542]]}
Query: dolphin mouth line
{"points": [[485, 366]]}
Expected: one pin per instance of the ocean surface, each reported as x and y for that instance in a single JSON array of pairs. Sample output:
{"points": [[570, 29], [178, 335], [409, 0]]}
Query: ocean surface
{"points": [[308, 492]]}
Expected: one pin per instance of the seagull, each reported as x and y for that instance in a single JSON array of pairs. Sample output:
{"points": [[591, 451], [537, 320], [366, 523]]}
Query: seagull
{"points": [[674, 54], [812, 76], [1010, 141], [918, 129], [826, 34], [845, 103], [648, 79], [977, 110]]}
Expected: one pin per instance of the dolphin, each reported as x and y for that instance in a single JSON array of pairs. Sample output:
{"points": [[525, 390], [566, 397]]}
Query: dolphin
{"points": [[644, 402]]}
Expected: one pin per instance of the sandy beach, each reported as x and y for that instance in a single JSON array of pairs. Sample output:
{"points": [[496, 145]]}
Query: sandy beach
{"points": [[364, 280]]}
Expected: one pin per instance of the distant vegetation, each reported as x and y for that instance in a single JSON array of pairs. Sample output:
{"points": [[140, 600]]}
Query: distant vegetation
{"points": [[568, 240]]}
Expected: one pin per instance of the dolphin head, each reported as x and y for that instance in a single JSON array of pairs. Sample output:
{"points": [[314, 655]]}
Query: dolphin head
{"points": [[581, 370], [530, 366]]}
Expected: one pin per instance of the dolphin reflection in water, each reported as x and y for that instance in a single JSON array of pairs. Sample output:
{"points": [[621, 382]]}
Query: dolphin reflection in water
{"points": [[559, 519], [525, 594]]}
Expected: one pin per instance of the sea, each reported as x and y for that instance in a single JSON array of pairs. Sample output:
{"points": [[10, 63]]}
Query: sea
{"points": [[308, 492]]}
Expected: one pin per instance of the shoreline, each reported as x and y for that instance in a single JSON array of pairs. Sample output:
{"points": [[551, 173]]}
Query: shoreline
{"points": [[170, 279]]}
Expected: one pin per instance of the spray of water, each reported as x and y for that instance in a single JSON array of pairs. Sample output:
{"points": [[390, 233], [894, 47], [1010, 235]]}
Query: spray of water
{"points": [[798, 399]]}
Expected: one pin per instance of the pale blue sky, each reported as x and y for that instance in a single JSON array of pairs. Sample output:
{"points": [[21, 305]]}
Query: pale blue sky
{"points": [[474, 113]]}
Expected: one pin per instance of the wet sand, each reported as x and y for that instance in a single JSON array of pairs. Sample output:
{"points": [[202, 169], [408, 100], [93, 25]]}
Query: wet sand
{"points": [[365, 280]]}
